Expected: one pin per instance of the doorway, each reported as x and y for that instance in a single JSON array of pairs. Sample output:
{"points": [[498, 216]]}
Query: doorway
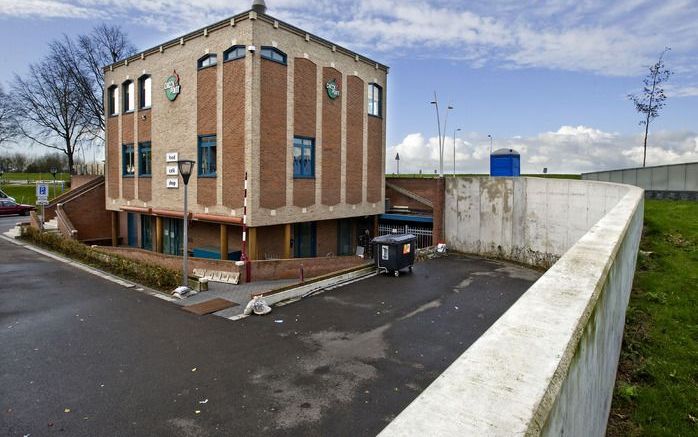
{"points": [[172, 236], [304, 240]]}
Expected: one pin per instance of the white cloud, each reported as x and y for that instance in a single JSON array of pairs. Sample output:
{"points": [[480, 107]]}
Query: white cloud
{"points": [[570, 149], [615, 39]]}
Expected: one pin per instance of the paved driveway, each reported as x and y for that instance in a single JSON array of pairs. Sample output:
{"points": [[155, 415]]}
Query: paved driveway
{"points": [[82, 356]]}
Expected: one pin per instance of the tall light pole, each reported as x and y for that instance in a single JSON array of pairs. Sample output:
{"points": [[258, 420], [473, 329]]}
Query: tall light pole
{"points": [[435, 102], [454, 151], [397, 160], [443, 143], [185, 169], [2, 173], [490, 137]]}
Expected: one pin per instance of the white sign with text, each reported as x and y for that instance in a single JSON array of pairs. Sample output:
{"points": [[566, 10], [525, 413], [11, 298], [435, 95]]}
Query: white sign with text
{"points": [[172, 157], [172, 170], [172, 183]]}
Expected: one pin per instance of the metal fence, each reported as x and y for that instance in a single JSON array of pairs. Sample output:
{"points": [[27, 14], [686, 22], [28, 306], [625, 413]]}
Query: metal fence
{"points": [[423, 234]]}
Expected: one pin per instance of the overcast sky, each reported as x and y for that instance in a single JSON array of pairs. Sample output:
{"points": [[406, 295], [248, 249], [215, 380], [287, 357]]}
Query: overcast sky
{"points": [[548, 77]]}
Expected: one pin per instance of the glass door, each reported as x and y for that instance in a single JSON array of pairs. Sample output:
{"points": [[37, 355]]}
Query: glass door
{"points": [[304, 240], [172, 236]]}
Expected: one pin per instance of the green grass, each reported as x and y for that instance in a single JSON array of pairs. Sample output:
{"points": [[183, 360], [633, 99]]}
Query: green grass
{"points": [[656, 390], [27, 193], [429, 176], [35, 176]]}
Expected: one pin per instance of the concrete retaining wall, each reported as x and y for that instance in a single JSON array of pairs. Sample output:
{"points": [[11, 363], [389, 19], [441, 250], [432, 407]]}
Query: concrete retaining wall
{"points": [[676, 181], [548, 365]]}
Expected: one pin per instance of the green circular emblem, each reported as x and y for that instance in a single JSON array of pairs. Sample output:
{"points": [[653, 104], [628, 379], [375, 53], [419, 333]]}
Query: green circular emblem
{"points": [[332, 89], [172, 86]]}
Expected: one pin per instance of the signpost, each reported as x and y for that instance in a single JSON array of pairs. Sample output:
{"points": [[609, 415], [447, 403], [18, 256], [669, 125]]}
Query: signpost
{"points": [[42, 199]]}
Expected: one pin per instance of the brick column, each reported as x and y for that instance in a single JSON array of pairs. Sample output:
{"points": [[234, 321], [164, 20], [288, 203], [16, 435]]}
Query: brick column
{"points": [[224, 241], [438, 212], [115, 228], [158, 234]]}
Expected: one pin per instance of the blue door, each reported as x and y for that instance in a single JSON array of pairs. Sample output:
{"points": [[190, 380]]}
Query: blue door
{"points": [[132, 230]]}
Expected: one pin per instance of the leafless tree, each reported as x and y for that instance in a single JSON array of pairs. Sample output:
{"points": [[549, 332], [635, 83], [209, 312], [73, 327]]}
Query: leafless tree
{"points": [[85, 57], [651, 100], [8, 120], [51, 109]]}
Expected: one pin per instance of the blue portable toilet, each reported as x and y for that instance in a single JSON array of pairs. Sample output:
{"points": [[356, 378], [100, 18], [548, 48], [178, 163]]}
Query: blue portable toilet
{"points": [[505, 162]]}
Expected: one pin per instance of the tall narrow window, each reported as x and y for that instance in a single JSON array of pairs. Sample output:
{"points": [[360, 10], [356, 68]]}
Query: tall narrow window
{"points": [[207, 156], [303, 157], [128, 96], [273, 54], [144, 159], [207, 61], [113, 103], [375, 100], [144, 92], [235, 52], [128, 160]]}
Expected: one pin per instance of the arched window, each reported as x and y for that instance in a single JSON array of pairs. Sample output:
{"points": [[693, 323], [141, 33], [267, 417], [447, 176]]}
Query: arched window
{"points": [[208, 61], [128, 95], [273, 54], [375, 100], [235, 52], [113, 103], [144, 91]]}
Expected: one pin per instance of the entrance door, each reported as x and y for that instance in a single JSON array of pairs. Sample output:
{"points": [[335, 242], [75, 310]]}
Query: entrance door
{"points": [[146, 232], [132, 230], [172, 236], [304, 241]]}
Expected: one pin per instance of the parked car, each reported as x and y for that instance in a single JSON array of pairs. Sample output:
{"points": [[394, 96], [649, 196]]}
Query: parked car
{"points": [[11, 207], [4, 196]]}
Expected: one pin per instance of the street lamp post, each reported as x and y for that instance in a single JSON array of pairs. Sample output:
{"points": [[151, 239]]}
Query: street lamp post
{"points": [[185, 169], [490, 137], [2, 173], [397, 159], [435, 102], [53, 171], [454, 151]]}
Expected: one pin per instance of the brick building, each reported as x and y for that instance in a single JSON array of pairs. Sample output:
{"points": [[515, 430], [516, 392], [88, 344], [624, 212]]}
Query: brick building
{"points": [[302, 117]]}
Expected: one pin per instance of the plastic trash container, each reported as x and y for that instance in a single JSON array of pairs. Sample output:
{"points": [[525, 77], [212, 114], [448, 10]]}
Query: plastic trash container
{"points": [[394, 252]]}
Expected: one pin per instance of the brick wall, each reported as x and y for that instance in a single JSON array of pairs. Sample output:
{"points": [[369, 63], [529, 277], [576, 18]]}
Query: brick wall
{"points": [[273, 141], [304, 121], [145, 186], [429, 188], [79, 180], [331, 140], [376, 169], [206, 111], [233, 141], [355, 139], [113, 156], [88, 215], [326, 237], [312, 267], [128, 188], [270, 242]]}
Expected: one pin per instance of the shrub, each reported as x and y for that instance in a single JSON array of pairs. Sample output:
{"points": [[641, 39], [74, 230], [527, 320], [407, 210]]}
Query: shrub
{"points": [[151, 275]]}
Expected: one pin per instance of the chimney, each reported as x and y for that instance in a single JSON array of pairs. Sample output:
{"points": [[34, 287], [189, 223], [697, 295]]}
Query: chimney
{"points": [[259, 6]]}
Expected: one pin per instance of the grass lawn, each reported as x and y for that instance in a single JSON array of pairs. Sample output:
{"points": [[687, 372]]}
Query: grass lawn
{"points": [[35, 176], [27, 193], [656, 389]]}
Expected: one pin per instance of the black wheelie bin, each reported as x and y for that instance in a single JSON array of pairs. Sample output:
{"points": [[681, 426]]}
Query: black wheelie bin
{"points": [[394, 252]]}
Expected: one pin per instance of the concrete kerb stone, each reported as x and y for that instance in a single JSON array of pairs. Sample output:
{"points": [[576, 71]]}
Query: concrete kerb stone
{"points": [[91, 270]]}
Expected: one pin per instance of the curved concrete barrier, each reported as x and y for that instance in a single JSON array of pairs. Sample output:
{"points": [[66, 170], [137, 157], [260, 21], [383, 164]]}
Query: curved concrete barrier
{"points": [[548, 365]]}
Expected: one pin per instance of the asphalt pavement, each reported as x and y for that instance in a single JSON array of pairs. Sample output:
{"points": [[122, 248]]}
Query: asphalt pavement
{"points": [[82, 356], [8, 222]]}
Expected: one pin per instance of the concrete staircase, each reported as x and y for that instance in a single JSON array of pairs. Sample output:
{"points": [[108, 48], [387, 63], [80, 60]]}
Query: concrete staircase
{"points": [[14, 233], [51, 226]]}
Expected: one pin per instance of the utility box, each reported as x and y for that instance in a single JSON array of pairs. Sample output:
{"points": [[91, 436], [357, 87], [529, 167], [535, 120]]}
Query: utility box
{"points": [[394, 252], [505, 162]]}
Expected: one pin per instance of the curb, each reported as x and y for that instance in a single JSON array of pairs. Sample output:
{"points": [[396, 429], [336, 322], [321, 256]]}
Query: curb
{"points": [[91, 270]]}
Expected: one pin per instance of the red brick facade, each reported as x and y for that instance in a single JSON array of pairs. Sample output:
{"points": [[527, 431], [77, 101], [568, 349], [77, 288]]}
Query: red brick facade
{"points": [[375, 159], [304, 121], [273, 142], [206, 122], [143, 123], [233, 141], [331, 140], [113, 156], [355, 139]]}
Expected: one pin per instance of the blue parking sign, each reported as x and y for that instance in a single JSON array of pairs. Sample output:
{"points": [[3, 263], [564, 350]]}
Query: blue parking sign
{"points": [[42, 191]]}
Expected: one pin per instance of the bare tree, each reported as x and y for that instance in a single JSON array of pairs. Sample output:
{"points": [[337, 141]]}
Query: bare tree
{"points": [[19, 161], [51, 109], [651, 100], [8, 120], [84, 59]]}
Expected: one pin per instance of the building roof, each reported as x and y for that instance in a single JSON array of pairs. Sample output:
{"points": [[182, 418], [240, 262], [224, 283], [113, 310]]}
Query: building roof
{"points": [[249, 14], [505, 152]]}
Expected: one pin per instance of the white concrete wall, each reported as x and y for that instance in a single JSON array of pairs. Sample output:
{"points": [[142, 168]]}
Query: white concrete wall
{"points": [[548, 365], [675, 177]]}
